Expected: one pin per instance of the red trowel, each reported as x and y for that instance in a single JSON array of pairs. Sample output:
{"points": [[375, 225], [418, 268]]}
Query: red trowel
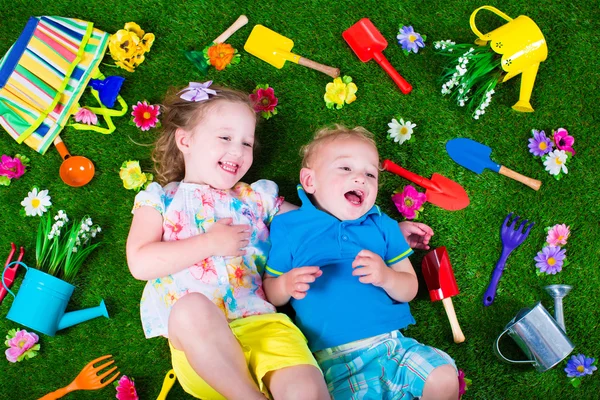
{"points": [[441, 284], [367, 42]]}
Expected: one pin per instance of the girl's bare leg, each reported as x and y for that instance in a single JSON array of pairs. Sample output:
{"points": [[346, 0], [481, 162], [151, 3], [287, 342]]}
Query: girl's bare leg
{"points": [[199, 329], [300, 382]]}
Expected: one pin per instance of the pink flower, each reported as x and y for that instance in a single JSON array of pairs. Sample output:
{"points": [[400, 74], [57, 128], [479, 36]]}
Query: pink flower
{"points": [[145, 116], [20, 344], [409, 201], [126, 389], [463, 383], [86, 116], [12, 168], [558, 234], [564, 141], [264, 101]]}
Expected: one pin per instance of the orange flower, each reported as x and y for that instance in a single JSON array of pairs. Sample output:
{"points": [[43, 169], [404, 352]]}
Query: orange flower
{"points": [[220, 55]]}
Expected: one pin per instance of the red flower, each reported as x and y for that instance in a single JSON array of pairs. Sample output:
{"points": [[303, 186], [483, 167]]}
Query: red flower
{"points": [[145, 116], [126, 389], [264, 101], [409, 201]]}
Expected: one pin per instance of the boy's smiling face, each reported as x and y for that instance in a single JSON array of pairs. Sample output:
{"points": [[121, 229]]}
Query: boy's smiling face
{"points": [[343, 177]]}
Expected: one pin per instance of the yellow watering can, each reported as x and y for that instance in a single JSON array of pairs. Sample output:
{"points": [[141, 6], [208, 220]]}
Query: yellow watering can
{"points": [[523, 47]]}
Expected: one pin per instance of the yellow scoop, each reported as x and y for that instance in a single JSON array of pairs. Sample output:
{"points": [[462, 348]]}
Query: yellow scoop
{"points": [[275, 49]]}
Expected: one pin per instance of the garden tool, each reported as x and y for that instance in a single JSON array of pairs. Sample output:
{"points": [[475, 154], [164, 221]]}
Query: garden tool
{"points": [[367, 42], [276, 49], [43, 76], [108, 89], [75, 171], [42, 300], [199, 59], [539, 336], [476, 157], [441, 284], [170, 379], [511, 239], [88, 379], [523, 48], [441, 191], [9, 275]]}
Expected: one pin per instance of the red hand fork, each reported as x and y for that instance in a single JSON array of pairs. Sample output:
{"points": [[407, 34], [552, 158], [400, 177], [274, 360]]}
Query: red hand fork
{"points": [[9, 275]]}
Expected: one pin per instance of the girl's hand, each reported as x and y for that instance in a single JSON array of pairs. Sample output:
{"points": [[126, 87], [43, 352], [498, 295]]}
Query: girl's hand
{"points": [[371, 268], [228, 239], [417, 235], [296, 281]]}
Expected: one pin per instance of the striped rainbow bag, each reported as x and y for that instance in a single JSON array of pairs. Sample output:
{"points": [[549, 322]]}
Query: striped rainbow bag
{"points": [[43, 76]]}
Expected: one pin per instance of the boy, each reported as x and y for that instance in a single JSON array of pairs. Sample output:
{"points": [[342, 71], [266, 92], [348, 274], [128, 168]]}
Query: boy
{"points": [[336, 244]]}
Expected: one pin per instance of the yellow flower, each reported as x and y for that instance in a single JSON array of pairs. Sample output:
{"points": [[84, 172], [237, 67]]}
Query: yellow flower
{"points": [[127, 46], [135, 28], [133, 177], [340, 91], [123, 44]]}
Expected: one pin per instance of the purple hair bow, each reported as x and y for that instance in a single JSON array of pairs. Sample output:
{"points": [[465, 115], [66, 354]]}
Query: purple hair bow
{"points": [[197, 91]]}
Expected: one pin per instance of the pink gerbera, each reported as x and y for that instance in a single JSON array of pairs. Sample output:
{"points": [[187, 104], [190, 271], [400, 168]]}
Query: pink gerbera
{"points": [[86, 116], [145, 116], [12, 168], [564, 141], [409, 201], [264, 101], [126, 389], [558, 234]]}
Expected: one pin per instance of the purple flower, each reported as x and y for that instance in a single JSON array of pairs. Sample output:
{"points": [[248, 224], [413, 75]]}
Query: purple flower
{"points": [[539, 144], [579, 366], [409, 39], [550, 259]]}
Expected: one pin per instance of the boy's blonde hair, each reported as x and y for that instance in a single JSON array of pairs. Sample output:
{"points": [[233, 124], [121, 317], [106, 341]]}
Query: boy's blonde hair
{"points": [[186, 115], [326, 135]]}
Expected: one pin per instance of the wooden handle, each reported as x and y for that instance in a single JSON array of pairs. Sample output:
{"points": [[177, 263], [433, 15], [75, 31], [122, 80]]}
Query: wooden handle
{"points": [[241, 21], [459, 337], [62, 148], [532, 183], [331, 71]]}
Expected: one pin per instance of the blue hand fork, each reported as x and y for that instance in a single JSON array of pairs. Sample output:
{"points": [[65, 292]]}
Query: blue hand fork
{"points": [[511, 239]]}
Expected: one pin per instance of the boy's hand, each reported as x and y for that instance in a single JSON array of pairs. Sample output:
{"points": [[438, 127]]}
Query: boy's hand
{"points": [[296, 281], [417, 235], [228, 239], [371, 268]]}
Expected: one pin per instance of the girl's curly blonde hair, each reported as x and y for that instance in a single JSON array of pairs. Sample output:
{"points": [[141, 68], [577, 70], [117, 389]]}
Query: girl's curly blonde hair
{"points": [[182, 114], [328, 134]]}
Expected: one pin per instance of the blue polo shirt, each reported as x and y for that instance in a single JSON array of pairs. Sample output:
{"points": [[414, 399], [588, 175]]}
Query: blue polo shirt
{"points": [[338, 308]]}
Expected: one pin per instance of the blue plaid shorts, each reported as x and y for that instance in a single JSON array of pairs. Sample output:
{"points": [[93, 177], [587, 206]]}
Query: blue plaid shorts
{"points": [[388, 366]]}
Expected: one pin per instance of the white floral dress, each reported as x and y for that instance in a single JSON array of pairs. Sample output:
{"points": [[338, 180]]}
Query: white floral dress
{"points": [[234, 284]]}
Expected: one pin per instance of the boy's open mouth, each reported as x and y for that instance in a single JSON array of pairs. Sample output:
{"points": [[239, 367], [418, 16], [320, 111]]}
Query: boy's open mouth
{"points": [[355, 197], [229, 166]]}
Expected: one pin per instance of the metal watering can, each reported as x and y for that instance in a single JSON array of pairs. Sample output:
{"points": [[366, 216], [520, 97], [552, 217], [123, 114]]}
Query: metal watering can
{"points": [[41, 302], [540, 337], [523, 47]]}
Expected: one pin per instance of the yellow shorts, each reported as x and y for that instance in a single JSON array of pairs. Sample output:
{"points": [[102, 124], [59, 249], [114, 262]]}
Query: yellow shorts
{"points": [[270, 342]]}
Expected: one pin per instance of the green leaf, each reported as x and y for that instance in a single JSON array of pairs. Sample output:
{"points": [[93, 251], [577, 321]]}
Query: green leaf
{"points": [[4, 180], [576, 382]]}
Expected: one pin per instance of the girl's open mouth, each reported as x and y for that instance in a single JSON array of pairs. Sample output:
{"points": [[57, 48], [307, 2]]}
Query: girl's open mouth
{"points": [[355, 197], [229, 166]]}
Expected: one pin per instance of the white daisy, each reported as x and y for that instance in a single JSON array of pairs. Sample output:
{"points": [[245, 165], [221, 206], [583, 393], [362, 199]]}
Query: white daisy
{"points": [[36, 203], [400, 131], [555, 162]]}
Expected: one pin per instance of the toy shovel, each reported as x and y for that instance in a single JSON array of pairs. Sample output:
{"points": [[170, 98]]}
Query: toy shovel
{"points": [[441, 191], [476, 157], [276, 49], [367, 42], [441, 284]]}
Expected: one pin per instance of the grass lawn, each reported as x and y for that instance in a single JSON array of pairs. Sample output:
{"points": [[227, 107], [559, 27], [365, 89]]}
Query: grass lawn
{"points": [[565, 95]]}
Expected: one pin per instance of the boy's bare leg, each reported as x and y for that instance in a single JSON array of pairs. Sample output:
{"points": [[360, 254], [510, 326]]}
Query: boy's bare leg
{"points": [[441, 384], [199, 329], [300, 382]]}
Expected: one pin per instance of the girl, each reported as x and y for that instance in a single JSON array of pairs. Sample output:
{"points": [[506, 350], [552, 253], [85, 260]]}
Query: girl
{"points": [[201, 242]]}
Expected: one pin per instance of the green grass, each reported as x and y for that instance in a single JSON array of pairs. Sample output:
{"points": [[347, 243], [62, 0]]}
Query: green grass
{"points": [[565, 94]]}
